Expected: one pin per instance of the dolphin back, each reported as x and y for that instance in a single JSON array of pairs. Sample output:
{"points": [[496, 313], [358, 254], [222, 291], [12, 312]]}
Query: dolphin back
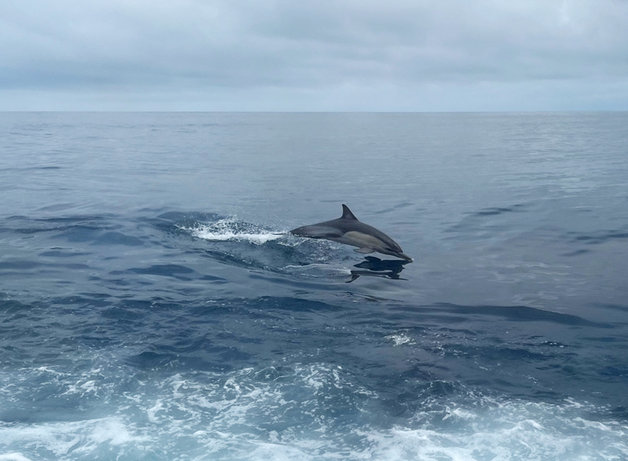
{"points": [[323, 230]]}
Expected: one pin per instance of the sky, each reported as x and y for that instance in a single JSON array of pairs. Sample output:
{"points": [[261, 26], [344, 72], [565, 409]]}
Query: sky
{"points": [[323, 55]]}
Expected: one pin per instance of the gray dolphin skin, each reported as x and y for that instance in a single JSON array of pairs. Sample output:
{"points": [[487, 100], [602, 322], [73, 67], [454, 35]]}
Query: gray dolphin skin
{"points": [[349, 230]]}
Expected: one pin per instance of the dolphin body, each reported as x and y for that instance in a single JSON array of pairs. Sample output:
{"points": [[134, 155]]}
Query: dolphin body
{"points": [[349, 230]]}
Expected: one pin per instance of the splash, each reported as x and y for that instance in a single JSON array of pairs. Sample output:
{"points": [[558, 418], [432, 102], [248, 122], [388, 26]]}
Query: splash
{"points": [[230, 229]]}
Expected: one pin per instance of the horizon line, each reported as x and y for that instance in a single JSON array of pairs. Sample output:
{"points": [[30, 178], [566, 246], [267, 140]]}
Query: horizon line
{"points": [[513, 111]]}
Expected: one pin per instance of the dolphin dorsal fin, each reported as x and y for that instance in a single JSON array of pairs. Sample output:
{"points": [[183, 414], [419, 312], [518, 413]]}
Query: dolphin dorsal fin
{"points": [[346, 213]]}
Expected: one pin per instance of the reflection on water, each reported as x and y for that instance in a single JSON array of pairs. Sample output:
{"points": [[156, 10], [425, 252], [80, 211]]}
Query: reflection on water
{"points": [[375, 267]]}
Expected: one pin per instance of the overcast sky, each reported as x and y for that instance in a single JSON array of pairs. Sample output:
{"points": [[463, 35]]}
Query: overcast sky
{"points": [[297, 55]]}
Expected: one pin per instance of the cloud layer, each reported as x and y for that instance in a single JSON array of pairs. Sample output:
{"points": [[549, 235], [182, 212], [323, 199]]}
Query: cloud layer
{"points": [[324, 55]]}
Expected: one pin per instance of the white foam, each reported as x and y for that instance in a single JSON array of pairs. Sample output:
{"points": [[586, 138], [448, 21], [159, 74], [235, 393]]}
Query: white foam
{"points": [[400, 339], [285, 413], [13, 457], [509, 431], [113, 431], [222, 413], [229, 229], [258, 239], [75, 437], [276, 452]]}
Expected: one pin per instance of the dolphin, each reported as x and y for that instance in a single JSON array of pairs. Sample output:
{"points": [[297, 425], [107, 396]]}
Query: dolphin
{"points": [[349, 230]]}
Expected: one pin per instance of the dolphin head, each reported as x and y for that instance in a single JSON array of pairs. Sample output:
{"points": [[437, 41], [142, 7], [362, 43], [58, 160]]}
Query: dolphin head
{"points": [[394, 250]]}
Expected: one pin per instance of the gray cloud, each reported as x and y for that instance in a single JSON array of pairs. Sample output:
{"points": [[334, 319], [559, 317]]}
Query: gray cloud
{"points": [[324, 55]]}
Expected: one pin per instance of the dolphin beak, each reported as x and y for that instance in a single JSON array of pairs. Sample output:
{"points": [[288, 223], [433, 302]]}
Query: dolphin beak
{"points": [[406, 257]]}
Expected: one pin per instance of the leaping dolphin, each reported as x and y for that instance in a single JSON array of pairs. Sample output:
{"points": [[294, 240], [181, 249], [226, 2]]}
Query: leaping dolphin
{"points": [[349, 230]]}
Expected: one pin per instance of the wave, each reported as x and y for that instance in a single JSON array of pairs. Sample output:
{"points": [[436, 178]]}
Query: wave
{"points": [[281, 377], [517, 313], [310, 411], [494, 211], [497, 429], [596, 238], [491, 222]]}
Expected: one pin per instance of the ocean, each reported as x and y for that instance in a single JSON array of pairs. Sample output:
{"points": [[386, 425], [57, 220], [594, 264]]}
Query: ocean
{"points": [[153, 305]]}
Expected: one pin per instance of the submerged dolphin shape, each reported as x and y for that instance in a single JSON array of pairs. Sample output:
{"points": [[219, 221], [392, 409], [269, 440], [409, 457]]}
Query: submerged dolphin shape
{"points": [[349, 230]]}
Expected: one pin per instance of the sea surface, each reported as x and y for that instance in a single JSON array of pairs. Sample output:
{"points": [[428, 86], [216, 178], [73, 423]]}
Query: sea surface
{"points": [[154, 307]]}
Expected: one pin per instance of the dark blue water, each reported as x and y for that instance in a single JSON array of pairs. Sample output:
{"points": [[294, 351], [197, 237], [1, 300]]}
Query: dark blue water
{"points": [[152, 306]]}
